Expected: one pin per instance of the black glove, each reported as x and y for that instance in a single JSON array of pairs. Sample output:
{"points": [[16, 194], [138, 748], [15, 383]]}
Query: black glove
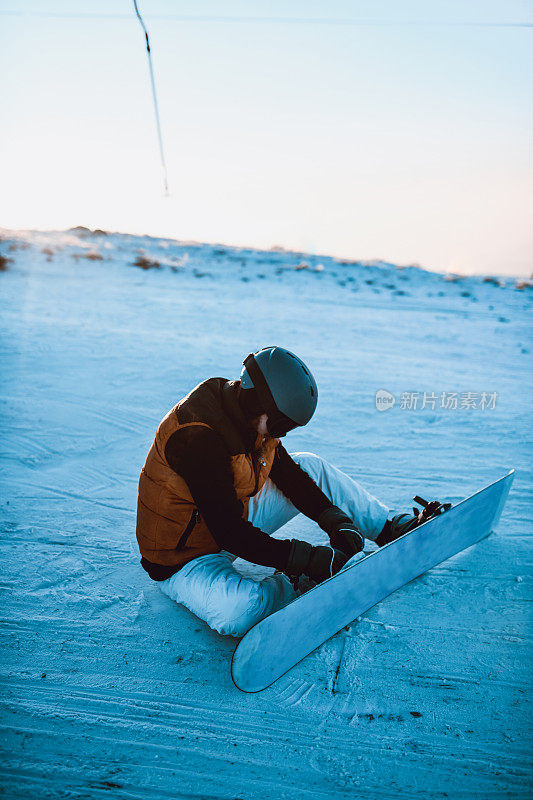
{"points": [[318, 563], [342, 532]]}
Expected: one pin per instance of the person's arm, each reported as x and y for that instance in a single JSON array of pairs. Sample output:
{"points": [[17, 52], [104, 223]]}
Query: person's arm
{"points": [[298, 486], [199, 456]]}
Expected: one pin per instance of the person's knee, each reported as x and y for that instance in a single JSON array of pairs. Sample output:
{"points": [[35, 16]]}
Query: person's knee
{"points": [[310, 462]]}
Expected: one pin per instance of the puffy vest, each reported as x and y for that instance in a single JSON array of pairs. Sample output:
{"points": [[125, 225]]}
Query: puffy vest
{"points": [[170, 529]]}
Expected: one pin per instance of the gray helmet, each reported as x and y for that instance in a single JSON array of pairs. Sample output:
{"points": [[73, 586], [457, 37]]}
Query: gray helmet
{"points": [[285, 387]]}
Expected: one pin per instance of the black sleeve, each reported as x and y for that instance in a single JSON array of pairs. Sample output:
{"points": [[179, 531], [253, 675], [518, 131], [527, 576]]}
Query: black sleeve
{"points": [[198, 454], [298, 486]]}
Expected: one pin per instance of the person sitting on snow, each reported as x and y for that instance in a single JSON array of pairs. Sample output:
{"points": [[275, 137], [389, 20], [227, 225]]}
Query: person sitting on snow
{"points": [[217, 482]]}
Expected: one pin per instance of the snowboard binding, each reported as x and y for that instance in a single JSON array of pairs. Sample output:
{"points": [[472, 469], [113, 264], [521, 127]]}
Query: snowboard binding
{"points": [[429, 510], [403, 523]]}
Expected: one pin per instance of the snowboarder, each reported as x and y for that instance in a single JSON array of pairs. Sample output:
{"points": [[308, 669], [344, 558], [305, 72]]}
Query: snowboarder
{"points": [[217, 482]]}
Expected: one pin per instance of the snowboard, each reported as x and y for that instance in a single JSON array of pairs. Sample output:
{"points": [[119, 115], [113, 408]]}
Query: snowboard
{"points": [[282, 639]]}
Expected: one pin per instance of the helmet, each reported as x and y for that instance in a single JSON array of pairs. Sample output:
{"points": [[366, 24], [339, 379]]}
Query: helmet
{"points": [[284, 385]]}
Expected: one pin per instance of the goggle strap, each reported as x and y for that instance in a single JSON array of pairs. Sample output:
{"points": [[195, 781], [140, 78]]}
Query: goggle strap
{"points": [[260, 385]]}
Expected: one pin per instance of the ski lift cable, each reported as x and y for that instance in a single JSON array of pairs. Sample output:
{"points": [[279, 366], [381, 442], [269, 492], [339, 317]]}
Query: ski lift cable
{"points": [[154, 96]]}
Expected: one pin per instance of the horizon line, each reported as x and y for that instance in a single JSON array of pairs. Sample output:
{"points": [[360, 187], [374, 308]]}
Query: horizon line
{"points": [[275, 248]]}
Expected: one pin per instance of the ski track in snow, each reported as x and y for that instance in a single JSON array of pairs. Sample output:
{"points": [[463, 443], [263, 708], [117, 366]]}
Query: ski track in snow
{"points": [[111, 690]]}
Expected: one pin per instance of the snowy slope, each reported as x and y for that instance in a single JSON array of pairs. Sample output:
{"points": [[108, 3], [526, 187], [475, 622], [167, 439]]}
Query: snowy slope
{"points": [[109, 689]]}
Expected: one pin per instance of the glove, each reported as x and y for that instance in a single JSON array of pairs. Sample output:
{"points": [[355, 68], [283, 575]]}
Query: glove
{"points": [[342, 532], [318, 563]]}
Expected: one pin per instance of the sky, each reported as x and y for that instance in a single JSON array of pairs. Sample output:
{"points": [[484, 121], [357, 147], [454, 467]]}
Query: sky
{"points": [[368, 130]]}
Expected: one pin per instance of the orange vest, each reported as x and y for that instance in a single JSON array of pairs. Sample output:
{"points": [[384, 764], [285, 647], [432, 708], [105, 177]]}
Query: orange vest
{"points": [[170, 529]]}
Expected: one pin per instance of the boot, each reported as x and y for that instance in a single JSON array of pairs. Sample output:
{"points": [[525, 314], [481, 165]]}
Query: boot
{"points": [[403, 523]]}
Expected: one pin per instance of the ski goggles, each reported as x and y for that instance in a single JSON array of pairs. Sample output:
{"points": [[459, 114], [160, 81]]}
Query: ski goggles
{"points": [[278, 423]]}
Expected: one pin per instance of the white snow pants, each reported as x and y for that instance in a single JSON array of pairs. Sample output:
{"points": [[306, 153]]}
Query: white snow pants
{"points": [[215, 591]]}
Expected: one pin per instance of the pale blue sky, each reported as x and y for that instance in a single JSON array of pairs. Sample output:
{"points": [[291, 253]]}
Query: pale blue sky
{"points": [[406, 138]]}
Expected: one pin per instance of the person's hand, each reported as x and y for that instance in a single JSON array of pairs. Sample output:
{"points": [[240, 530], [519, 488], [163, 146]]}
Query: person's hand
{"points": [[342, 532], [318, 563]]}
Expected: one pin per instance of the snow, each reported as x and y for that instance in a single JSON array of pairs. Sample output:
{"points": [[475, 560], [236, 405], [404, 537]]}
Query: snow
{"points": [[109, 687]]}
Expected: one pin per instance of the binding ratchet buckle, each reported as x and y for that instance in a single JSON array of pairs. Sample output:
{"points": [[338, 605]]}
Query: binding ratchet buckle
{"points": [[429, 509]]}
